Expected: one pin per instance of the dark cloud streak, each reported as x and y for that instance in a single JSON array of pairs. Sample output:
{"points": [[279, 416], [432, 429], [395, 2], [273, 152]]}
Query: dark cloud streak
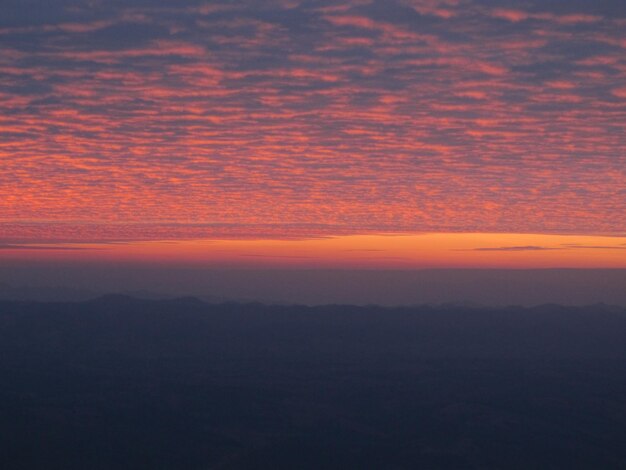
{"points": [[44, 247], [514, 248]]}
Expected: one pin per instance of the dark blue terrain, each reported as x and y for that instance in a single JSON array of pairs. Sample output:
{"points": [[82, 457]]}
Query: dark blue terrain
{"points": [[121, 383]]}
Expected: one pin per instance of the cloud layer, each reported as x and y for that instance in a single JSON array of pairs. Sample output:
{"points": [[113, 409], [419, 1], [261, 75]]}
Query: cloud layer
{"points": [[288, 118]]}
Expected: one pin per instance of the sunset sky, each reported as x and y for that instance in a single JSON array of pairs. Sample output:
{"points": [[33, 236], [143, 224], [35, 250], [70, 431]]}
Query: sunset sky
{"points": [[295, 133]]}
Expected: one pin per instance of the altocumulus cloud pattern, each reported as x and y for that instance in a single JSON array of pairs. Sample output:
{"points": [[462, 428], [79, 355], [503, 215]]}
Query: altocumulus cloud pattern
{"points": [[167, 119]]}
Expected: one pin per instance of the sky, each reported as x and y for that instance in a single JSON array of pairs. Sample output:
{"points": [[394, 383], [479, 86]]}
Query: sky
{"points": [[396, 134]]}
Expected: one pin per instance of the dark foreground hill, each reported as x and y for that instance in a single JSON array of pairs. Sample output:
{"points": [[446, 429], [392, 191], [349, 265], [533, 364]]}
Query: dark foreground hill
{"points": [[119, 383]]}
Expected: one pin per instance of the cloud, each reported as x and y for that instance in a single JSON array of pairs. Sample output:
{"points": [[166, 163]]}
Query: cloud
{"points": [[514, 248], [563, 246], [293, 119], [516, 16], [43, 247], [593, 247]]}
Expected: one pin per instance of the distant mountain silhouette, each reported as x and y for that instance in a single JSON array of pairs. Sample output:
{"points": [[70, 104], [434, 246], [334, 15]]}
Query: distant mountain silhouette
{"points": [[120, 382], [68, 294], [45, 293]]}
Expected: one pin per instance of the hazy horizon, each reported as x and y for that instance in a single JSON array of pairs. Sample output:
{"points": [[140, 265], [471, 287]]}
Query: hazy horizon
{"points": [[488, 287]]}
